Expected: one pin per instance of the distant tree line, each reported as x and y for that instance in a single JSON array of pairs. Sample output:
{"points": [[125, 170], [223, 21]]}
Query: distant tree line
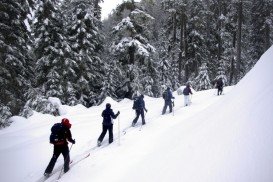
{"points": [[55, 48]]}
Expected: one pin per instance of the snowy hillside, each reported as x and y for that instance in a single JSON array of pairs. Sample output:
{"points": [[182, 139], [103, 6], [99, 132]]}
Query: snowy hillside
{"points": [[225, 138]]}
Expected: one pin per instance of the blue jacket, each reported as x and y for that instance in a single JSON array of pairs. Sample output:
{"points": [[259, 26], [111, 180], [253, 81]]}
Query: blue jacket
{"points": [[140, 104], [169, 95]]}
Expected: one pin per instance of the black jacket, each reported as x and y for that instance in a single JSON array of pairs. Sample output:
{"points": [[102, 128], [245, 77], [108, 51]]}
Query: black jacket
{"points": [[187, 90], [108, 115]]}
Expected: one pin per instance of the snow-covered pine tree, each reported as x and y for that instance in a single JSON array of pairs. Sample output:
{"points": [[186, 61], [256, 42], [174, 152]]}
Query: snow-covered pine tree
{"points": [[85, 39], [261, 29], [38, 102], [131, 47], [55, 66], [15, 69], [174, 9], [202, 81], [197, 47], [5, 115], [221, 73]]}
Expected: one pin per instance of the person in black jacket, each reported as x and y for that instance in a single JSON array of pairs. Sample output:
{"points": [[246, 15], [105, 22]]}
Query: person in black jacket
{"points": [[186, 92], [219, 86], [61, 147], [167, 96], [107, 123], [139, 106]]}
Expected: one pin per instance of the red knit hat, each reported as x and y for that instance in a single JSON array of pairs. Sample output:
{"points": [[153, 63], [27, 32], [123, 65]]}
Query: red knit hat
{"points": [[66, 123]]}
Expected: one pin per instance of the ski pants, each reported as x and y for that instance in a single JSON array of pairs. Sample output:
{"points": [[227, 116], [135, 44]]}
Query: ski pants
{"points": [[59, 149], [220, 90], [187, 100], [104, 131], [139, 112], [167, 103]]}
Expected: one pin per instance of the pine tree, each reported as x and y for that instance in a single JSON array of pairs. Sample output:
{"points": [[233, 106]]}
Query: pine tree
{"points": [[15, 69], [202, 81], [55, 66], [38, 102], [197, 50], [5, 115], [261, 26], [221, 73], [132, 49], [86, 42]]}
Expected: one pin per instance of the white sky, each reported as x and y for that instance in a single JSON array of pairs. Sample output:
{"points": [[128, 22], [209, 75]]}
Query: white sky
{"points": [[108, 5]]}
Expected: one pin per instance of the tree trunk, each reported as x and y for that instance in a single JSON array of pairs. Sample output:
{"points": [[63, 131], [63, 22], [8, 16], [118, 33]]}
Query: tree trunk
{"points": [[267, 37], [174, 28], [132, 55], [182, 48], [219, 27], [232, 67], [185, 46], [239, 41], [97, 12]]}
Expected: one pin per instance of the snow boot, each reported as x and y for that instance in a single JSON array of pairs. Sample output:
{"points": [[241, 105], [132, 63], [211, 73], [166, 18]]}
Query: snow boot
{"points": [[46, 175], [99, 143]]}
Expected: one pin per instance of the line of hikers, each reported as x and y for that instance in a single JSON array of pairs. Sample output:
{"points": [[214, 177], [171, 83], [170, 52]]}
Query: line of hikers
{"points": [[61, 134]]}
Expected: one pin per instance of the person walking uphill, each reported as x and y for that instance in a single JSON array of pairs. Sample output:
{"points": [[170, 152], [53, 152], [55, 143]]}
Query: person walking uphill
{"points": [[139, 106], [186, 92], [167, 96], [107, 123], [60, 134], [219, 86]]}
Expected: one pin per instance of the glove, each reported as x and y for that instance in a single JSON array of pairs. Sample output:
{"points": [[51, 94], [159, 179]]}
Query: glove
{"points": [[173, 97], [73, 141], [118, 113], [146, 110]]}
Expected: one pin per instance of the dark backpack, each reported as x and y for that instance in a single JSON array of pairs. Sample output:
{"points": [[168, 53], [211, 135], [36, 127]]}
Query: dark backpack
{"points": [[136, 103], [164, 95], [57, 133]]}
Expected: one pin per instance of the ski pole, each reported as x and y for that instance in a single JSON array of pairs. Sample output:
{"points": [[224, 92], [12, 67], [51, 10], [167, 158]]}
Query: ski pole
{"points": [[118, 131], [173, 107], [64, 162]]}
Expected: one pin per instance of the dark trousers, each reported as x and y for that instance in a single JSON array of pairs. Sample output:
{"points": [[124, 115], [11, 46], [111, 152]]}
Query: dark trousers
{"points": [[59, 149], [104, 131], [167, 103], [139, 112], [220, 90]]}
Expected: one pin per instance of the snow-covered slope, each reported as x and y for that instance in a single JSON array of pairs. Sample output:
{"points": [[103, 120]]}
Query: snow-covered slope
{"points": [[218, 138]]}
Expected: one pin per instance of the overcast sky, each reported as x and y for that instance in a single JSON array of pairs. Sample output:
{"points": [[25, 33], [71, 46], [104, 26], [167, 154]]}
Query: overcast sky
{"points": [[108, 5]]}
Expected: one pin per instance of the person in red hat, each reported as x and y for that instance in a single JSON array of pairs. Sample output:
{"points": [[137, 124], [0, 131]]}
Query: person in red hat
{"points": [[60, 134]]}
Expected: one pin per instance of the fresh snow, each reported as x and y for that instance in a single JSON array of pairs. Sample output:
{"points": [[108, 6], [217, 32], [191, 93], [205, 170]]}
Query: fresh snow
{"points": [[226, 138]]}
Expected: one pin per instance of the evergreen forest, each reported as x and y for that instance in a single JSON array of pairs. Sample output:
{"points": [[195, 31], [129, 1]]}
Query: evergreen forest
{"points": [[64, 49]]}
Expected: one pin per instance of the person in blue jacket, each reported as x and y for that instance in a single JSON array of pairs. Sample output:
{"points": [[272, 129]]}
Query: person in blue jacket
{"points": [[139, 106], [167, 96], [107, 124]]}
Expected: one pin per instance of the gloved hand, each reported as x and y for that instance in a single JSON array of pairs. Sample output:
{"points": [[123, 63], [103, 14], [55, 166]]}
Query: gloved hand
{"points": [[146, 110], [73, 141], [173, 97], [118, 113]]}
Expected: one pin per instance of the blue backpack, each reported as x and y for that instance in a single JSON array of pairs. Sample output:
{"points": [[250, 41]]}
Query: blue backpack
{"points": [[136, 103]]}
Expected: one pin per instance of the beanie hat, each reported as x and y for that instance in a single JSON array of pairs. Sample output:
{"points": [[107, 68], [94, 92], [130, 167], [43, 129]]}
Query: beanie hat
{"points": [[108, 105], [66, 123]]}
